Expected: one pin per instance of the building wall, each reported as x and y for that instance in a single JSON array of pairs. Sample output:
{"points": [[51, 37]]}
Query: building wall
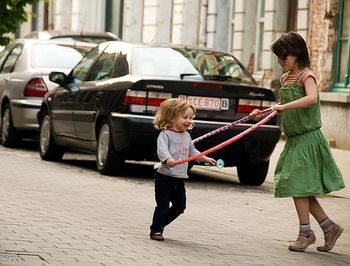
{"points": [[274, 26], [322, 37], [243, 30], [335, 107], [335, 111], [132, 20], [228, 25]]}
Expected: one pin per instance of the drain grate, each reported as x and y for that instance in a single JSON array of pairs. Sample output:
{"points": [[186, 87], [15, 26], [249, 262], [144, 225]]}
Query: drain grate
{"points": [[9, 257], [19, 256]]}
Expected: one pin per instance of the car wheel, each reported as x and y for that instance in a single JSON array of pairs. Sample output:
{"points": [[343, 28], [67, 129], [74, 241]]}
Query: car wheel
{"points": [[9, 135], [49, 150], [107, 159], [191, 164], [252, 173]]}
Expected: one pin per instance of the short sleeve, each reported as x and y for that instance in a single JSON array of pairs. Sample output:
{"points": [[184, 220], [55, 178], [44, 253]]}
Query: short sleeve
{"points": [[306, 74], [283, 78]]}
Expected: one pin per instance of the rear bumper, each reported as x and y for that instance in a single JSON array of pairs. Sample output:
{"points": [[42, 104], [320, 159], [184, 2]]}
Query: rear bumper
{"points": [[135, 137], [24, 113]]}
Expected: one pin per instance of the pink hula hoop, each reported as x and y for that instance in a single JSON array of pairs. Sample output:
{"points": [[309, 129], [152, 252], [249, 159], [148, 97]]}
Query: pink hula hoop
{"points": [[220, 129], [229, 141]]}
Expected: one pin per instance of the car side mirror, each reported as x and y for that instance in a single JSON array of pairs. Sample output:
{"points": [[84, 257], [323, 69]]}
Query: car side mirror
{"points": [[59, 78]]}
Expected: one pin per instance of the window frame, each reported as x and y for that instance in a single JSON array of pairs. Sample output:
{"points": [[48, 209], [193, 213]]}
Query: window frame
{"points": [[231, 26], [9, 64], [259, 36], [341, 86]]}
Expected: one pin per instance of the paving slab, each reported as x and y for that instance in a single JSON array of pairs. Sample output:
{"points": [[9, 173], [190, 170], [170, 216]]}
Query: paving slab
{"points": [[68, 214]]}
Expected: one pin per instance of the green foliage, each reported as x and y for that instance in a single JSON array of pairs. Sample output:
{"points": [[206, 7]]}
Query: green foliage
{"points": [[12, 14]]}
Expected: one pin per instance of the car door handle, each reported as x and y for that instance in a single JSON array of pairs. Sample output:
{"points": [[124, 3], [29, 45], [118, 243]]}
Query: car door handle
{"points": [[98, 95]]}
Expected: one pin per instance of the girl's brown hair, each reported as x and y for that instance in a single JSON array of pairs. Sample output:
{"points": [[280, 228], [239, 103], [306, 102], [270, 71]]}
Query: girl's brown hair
{"points": [[169, 110], [292, 43]]}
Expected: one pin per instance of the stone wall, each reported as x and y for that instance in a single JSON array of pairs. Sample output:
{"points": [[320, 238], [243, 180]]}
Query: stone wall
{"points": [[335, 111], [321, 40], [335, 107]]}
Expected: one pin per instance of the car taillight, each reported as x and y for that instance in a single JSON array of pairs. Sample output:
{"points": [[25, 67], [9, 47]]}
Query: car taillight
{"points": [[143, 101], [247, 106], [36, 87]]}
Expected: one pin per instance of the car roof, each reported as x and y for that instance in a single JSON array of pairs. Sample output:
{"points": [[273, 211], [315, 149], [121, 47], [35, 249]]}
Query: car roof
{"points": [[164, 45], [56, 34], [55, 41]]}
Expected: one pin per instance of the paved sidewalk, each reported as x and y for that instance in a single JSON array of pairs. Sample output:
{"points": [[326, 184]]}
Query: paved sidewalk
{"points": [[342, 157], [63, 214]]}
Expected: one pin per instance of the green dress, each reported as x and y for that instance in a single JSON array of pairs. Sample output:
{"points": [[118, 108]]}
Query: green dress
{"points": [[306, 166]]}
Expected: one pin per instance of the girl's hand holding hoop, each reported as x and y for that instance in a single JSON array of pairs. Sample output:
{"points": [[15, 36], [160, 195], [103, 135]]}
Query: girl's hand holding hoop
{"points": [[256, 113]]}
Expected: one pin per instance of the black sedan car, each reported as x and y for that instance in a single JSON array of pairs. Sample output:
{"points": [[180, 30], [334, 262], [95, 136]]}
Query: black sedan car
{"points": [[107, 103]]}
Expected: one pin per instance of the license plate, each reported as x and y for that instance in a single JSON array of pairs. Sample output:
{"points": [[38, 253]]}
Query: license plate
{"points": [[207, 103]]}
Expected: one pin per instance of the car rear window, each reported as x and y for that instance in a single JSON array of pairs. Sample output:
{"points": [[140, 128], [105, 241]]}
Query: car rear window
{"points": [[150, 61], [181, 62], [55, 56]]}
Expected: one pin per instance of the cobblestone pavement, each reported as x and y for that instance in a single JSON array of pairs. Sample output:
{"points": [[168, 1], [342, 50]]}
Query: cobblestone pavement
{"points": [[68, 214]]}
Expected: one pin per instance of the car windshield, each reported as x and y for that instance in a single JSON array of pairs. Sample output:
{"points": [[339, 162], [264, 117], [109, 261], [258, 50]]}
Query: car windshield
{"points": [[53, 55], [210, 65]]}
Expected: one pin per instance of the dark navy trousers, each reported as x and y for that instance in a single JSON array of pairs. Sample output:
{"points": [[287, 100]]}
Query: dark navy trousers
{"points": [[170, 195]]}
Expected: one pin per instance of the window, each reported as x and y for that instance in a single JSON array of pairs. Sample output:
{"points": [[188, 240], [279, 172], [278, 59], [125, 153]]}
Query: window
{"points": [[292, 15], [231, 25], [11, 60], [150, 62], [81, 71], [259, 35], [121, 65], [4, 54], [342, 70], [35, 12], [54, 55], [103, 67], [181, 62], [114, 16]]}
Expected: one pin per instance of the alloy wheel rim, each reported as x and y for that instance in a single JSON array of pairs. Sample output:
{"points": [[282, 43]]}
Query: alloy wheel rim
{"points": [[5, 124], [103, 143], [45, 134]]}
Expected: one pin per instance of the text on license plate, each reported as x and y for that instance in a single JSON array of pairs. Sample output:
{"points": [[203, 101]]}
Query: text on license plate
{"points": [[207, 103]]}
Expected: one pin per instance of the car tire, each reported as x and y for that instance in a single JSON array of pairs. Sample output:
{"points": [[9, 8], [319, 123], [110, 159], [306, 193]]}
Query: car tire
{"points": [[108, 161], [191, 164], [9, 135], [252, 173], [49, 150]]}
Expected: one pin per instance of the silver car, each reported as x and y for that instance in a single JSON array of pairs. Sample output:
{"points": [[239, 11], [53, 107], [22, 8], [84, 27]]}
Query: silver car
{"points": [[24, 68]]}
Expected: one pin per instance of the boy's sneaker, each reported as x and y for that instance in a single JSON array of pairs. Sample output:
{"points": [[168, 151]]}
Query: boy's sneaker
{"points": [[331, 235], [156, 236], [303, 242]]}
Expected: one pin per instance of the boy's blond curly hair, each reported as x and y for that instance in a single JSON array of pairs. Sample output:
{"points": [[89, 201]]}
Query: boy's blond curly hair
{"points": [[169, 110]]}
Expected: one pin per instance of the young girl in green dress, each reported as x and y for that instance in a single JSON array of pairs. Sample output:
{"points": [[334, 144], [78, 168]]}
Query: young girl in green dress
{"points": [[306, 167]]}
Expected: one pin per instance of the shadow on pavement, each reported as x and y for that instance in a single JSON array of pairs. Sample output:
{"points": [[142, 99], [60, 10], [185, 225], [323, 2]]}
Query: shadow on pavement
{"points": [[142, 172]]}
